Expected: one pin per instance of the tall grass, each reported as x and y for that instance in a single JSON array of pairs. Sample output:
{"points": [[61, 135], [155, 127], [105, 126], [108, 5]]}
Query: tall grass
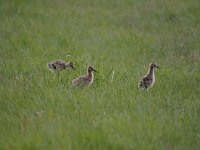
{"points": [[41, 112]]}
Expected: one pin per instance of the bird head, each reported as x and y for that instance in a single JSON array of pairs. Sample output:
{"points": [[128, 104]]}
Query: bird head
{"points": [[70, 64], [91, 69], [153, 65]]}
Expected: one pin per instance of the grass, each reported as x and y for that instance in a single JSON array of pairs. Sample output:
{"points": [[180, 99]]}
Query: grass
{"points": [[39, 112]]}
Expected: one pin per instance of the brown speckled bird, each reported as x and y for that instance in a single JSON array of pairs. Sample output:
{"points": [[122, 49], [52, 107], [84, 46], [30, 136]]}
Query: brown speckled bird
{"points": [[59, 65], [148, 80], [85, 80]]}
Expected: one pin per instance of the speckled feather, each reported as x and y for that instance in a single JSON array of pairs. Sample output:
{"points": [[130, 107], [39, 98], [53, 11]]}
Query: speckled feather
{"points": [[148, 80], [59, 65], [85, 79]]}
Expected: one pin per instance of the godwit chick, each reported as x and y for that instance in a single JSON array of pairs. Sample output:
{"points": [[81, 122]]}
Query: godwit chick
{"points": [[85, 80], [148, 80], [59, 65]]}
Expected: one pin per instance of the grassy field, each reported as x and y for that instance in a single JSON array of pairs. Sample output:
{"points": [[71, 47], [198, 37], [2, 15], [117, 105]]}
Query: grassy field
{"points": [[38, 111]]}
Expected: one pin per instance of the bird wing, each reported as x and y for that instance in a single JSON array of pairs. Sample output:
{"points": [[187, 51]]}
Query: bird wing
{"points": [[147, 80], [60, 64], [80, 81]]}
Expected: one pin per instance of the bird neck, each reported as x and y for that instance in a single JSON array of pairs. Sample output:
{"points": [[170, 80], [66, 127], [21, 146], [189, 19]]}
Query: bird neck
{"points": [[151, 71], [90, 74], [67, 65]]}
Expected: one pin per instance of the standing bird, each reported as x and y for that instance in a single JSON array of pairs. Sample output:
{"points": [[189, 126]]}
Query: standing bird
{"points": [[59, 65], [85, 80], [148, 80]]}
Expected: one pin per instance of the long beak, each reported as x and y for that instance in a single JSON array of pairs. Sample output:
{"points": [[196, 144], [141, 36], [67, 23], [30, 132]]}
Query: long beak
{"points": [[73, 68], [95, 71], [157, 67]]}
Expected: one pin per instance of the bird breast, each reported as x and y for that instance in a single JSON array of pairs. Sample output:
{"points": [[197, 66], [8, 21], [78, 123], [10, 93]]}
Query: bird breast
{"points": [[153, 78], [91, 78]]}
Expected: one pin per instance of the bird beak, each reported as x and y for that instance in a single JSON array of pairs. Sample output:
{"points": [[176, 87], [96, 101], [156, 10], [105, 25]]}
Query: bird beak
{"points": [[73, 68], [95, 71], [157, 67]]}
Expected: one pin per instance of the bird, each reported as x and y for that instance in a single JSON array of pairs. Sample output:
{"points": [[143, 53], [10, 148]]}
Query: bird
{"points": [[85, 80], [59, 65], [148, 80]]}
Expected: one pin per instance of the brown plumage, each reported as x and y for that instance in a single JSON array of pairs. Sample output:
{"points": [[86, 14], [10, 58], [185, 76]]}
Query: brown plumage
{"points": [[148, 80], [59, 65], [85, 80]]}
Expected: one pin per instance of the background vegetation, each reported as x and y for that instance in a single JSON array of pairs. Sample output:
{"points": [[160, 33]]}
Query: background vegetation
{"points": [[39, 112]]}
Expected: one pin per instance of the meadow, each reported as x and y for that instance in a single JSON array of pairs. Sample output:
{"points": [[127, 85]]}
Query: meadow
{"points": [[38, 111]]}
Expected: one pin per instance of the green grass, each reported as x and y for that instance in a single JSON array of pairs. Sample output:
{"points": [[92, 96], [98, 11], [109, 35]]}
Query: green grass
{"points": [[39, 112]]}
